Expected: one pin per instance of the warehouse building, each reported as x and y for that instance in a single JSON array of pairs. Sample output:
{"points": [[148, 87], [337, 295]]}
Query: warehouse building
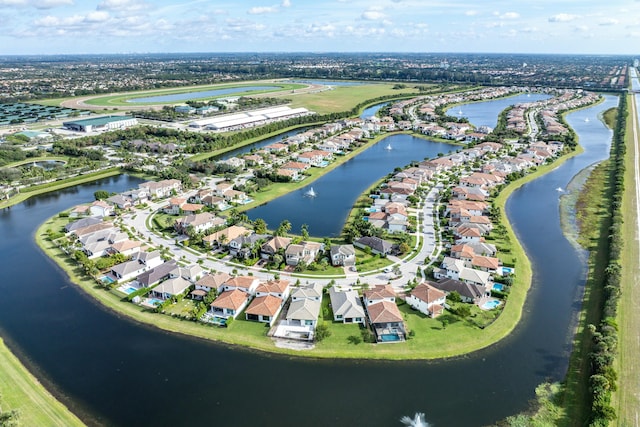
{"points": [[99, 124]]}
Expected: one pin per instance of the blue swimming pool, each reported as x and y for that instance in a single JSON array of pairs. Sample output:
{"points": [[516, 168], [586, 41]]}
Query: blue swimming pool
{"points": [[498, 287], [389, 337], [491, 304], [154, 301], [129, 290], [106, 280]]}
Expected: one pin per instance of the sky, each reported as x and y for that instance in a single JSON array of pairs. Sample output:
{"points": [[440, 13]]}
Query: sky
{"points": [[142, 26]]}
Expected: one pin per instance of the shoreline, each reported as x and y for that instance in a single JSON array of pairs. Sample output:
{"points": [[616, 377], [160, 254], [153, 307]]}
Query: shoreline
{"points": [[470, 342]]}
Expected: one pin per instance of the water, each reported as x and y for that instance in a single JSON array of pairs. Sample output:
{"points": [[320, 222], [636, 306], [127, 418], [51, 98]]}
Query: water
{"points": [[486, 113], [329, 82], [117, 372], [185, 96], [352, 178], [262, 143], [371, 111]]}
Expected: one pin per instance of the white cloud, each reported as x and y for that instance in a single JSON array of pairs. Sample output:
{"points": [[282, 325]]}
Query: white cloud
{"points": [[510, 15], [609, 21], [562, 17], [471, 13], [122, 5], [260, 10], [286, 3], [374, 13], [581, 28], [38, 4], [97, 16]]}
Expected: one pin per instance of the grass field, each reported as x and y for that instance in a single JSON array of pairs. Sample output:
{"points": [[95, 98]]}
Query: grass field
{"points": [[344, 98], [627, 399], [22, 391]]}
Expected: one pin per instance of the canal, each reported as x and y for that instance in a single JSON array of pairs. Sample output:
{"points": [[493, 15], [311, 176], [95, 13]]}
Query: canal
{"points": [[113, 371]]}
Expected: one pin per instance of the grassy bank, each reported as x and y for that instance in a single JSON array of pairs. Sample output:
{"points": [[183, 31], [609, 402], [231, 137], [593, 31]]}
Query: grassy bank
{"points": [[58, 185], [432, 339], [21, 391]]}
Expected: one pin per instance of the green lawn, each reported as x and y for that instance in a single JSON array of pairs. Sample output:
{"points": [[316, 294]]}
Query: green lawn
{"points": [[20, 390]]}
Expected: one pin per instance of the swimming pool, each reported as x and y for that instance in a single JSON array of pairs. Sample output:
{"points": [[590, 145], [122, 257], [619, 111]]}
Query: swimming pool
{"points": [[129, 290], [389, 337], [491, 304], [106, 280], [498, 287], [154, 301]]}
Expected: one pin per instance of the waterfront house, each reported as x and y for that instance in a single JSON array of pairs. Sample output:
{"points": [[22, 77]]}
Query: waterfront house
{"points": [[386, 320], [101, 209], [303, 315], [171, 287], [156, 274], [427, 300], [270, 248], [346, 306], [230, 303], [469, 293], [212, 282], [264, 309], [82, 223]]}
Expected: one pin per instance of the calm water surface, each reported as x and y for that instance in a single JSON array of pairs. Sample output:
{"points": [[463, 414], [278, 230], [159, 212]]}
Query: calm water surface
{"points": [[201, 94], [117, 372], [486, 113]]}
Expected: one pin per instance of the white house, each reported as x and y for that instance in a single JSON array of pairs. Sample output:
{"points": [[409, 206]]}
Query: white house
{"points": [[427, 300]]}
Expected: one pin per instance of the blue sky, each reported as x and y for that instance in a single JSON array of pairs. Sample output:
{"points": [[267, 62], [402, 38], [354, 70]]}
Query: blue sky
{"points": [[125, 26]]}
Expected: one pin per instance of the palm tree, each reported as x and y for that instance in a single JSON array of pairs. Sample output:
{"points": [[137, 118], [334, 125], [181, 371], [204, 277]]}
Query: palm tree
{"points": [[304, 230]]}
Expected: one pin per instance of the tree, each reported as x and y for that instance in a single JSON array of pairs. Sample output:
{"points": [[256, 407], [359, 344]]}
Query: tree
{"points": [[260, 226], [283, 228], [403, 248], [322, 332], [9, 418], [101, 195], [304, 230]]}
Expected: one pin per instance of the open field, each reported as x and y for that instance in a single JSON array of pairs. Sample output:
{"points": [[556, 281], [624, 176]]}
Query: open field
{"points": [[22, 391], [344, 98], [627, 399]]}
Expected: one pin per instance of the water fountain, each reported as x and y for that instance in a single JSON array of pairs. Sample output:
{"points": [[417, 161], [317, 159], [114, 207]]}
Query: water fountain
{"points": [[418, 420]]}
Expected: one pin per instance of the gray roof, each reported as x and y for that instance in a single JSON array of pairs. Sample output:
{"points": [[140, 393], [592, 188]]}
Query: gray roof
{"points": [[156, 274], [304, 309], [375, 243], [313, 290], [126, 268], [465, 290], [173, 286], [346, 303], [81, 223]]}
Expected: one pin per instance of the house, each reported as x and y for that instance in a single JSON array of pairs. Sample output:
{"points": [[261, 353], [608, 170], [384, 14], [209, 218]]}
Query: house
{"points": [[80, 211], [200, 222], [162, 188], [312, 291], [82, 223], [175, 203], [387, 322], [346, 306], [427, 300], [90, 229], [343, 255], [230, 303], [303, 312], [247, 284], [378, 246], [212, 282], [156, 274], [225, 236], [469, 293], [270, 248], [303, 253], [379, 293], [171, 287], [278, 288], [125, 247], [264, 309], [243, 245], [101, 209], [120, 201]]}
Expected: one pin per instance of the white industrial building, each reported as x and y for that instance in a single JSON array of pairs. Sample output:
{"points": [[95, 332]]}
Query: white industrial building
{"points": [[249, 118]]}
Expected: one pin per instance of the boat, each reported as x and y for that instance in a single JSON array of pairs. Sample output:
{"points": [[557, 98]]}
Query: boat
{"points": [[559, 190], [388, 147], [310, 193], [459, 112], [586, 120]]}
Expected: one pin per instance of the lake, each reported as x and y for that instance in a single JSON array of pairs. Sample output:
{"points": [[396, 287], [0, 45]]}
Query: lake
{"points": [[337, 191], [186, 96], [486, 113], [113, 371]]}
